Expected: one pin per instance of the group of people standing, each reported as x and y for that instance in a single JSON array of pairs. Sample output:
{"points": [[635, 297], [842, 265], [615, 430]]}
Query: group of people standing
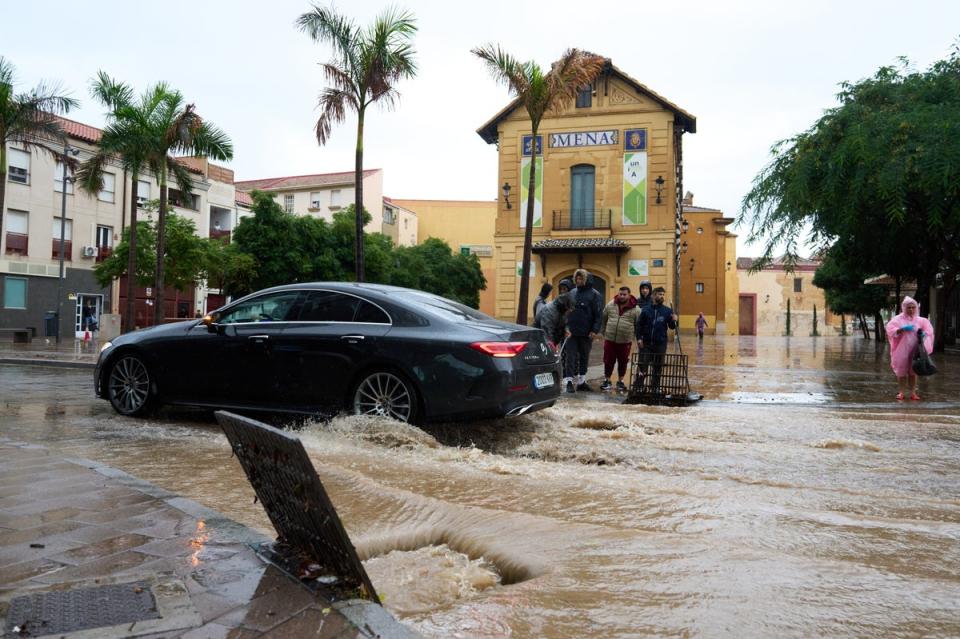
{"points": [[577, 316]]}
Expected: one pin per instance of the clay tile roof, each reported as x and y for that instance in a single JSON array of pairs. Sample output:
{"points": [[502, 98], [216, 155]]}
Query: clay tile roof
{"points": [[581, 243], [243, 198], [301, 181], [79, 130]]}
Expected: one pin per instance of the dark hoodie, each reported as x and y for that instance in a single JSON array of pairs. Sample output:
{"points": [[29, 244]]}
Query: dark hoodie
{"points": [[644, 302]]}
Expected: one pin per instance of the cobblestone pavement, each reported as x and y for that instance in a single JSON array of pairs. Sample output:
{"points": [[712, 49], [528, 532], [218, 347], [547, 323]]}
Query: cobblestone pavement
{"points": [[77, 525]]}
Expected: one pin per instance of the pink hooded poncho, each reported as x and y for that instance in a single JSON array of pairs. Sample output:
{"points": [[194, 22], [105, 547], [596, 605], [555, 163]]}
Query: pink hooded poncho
{"points": [[902, 346]]}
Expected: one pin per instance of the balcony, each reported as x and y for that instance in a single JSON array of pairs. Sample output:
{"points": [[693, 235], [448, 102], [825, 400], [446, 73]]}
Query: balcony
{"points": [[582, 219], [103, 252], [67, 250], [222, 235], [17, 243]]}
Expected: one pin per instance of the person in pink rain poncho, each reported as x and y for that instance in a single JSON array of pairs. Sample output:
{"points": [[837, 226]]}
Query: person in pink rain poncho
{"points": [[902, 335]]}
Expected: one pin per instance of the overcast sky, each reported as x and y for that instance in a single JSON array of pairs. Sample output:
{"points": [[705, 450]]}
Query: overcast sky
{"points": [[752, 72]]}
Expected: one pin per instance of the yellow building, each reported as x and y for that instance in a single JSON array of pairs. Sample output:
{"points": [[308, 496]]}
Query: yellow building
{"points": [[608, 185], [764, 296], [467, 226]]}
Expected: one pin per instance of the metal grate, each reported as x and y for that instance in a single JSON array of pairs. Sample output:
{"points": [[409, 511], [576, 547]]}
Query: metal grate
{"points": [[658, 379], [287, 486], [54, 613]]}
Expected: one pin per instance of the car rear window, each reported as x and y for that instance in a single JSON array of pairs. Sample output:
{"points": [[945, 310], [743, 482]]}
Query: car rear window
{"points": [[446, 309]]}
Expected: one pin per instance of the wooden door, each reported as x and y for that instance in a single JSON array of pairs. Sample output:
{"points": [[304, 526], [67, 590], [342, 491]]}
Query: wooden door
{"points": [[748, 315]]}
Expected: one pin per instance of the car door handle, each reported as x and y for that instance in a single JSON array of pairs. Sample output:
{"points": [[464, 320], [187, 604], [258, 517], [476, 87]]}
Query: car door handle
{"points": [[353, 339], [259, 338]]}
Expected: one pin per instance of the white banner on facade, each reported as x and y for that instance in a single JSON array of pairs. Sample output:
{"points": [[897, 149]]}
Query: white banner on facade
{"points": [[533, 269], [537, 196], [635, 188], [638, 268]]}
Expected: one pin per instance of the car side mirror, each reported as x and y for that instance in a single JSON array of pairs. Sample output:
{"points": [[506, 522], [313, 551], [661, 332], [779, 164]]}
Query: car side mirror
{"points": [[210, 323]]}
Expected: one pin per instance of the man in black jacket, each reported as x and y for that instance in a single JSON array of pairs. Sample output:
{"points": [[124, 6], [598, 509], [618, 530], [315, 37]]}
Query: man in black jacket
{"points": [[652, 334], [583, 326]]}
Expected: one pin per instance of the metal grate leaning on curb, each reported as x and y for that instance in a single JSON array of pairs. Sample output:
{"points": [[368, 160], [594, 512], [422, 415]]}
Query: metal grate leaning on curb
{"points": [[309, 531], [660, 379]]}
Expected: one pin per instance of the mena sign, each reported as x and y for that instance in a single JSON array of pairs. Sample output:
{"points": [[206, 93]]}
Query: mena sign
{"points": [[584, 138]]}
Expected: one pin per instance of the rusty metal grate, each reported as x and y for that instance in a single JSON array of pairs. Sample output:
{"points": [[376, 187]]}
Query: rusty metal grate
{"points": [[308, 527], [54, 613], [657, 378]]}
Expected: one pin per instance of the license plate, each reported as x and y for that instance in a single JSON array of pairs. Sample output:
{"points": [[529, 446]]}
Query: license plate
{"points": [[543, 380]]}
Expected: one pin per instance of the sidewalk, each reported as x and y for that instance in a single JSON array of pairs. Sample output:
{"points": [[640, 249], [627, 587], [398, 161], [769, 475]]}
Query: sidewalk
{"points": [[89, 551], [70, 352]]}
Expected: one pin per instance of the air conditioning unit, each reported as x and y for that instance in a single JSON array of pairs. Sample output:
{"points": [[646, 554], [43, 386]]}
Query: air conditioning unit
{"points": [[89, 251]]}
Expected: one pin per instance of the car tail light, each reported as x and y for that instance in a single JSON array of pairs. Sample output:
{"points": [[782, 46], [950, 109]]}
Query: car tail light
{"points": [[499, 349]]}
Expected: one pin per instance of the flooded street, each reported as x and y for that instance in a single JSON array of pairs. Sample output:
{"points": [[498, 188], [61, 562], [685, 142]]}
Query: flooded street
{"points": [[797, 499]]}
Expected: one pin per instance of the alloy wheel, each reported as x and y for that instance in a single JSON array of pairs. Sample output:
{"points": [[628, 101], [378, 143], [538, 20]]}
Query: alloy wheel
{"points": [[129, 385], [383, 394]]}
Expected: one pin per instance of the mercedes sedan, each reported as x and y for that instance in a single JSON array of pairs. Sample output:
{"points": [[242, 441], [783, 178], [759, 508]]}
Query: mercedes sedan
{"points": [[327, 347]]}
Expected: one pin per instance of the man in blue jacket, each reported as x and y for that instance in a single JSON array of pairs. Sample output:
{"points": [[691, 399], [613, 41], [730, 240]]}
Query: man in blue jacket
{"points": [[652, 327], [583, 326]]}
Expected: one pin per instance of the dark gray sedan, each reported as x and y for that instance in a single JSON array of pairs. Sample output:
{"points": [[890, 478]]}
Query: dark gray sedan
{"points": [[325, 347]]}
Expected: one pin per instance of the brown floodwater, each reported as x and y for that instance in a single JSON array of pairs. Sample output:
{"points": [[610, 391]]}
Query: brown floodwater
{"points": [[797, 499]]}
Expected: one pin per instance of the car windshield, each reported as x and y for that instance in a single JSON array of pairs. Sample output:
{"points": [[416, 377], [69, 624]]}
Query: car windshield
{"points": [[446, 309]]}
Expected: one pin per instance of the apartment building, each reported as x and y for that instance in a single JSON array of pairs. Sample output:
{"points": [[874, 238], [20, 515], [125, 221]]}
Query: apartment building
{"points": [[30, 286]]}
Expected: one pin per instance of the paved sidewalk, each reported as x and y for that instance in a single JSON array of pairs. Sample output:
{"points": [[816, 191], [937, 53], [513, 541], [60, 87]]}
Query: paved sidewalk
{"points": [[70, 352], [79, 536]]}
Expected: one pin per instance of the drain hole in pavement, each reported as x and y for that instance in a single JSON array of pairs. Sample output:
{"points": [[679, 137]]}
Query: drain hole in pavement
{"points": [[430, 577]]}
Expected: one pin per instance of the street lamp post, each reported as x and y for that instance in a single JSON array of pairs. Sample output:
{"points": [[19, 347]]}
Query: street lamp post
{"points": [[67, 151]]}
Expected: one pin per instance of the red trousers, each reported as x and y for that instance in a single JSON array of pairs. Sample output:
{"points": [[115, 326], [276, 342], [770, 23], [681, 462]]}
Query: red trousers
{"points": [[618, 354]]}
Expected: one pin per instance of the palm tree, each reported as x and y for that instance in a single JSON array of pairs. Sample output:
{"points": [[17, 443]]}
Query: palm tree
{"points": [[28, 119], [145, 134], [366, 65], [539, 93]]}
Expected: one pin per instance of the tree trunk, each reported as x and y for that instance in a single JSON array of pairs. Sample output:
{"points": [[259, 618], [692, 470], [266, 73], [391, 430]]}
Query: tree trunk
{"points": [[863, 326], [879, 332], [161, 247], [358, 203], [3, 188], [940, 328], [528, 235], [130, 323]]}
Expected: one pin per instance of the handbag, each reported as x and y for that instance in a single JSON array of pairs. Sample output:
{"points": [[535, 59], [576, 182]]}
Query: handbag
{"points": [[922, 364]]}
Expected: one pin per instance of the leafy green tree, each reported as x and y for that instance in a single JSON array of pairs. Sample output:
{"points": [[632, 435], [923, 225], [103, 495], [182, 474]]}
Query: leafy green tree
{"points": [[185, 253], [539, 92], [879, 173], [433, 267], [366, 66], [28, 120], [841, 276], [227, 268], [147, 133]]}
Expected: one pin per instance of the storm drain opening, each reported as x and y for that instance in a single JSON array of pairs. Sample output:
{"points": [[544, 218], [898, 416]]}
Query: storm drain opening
{"points": [[62, 612]]}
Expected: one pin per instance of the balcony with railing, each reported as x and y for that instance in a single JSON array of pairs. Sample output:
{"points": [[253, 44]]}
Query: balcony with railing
{"points": [[67, 250], [17, 243], [220, 234], [582, 219]]}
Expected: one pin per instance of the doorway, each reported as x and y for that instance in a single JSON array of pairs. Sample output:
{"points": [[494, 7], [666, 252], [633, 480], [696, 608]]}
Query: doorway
{"points": [[748, 314], [87, 314]]}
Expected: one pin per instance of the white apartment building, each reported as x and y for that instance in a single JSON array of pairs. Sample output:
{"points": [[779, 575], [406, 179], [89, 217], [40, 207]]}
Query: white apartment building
{"points": [[29, 248], [323, 194]]}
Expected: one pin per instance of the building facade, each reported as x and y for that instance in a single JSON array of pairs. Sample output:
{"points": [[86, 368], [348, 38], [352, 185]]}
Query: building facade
{"points": [[468, 227], [764, 295], [607, 198], [30, 286]]}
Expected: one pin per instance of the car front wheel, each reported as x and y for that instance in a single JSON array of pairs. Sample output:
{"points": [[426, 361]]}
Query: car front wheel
{"points": [[385, 394], [128, 386]]}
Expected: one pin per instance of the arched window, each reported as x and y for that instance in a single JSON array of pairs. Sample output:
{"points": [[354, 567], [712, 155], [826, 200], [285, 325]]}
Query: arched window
{"points": [[582, 181]]}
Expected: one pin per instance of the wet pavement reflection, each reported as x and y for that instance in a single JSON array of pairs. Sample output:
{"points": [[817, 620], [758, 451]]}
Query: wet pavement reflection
{"points": [[797, 498]]}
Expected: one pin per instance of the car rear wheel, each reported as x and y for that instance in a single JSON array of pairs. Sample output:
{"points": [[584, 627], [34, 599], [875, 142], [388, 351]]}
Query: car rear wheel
{"points": [[128, 386], [385, 394]]}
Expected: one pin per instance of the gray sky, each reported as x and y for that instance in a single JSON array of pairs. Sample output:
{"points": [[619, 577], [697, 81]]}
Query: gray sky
{"points": [[753, 72]]}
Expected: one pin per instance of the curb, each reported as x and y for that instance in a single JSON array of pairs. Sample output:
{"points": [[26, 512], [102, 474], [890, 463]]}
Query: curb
{"points": [[56, 363]]}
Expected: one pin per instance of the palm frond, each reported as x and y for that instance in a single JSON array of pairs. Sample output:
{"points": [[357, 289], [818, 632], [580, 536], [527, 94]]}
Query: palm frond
{"points": [[209, 141], [505, 68], [89, 176], [323, 24], [181, 175], [109, 92], [333, 109]]}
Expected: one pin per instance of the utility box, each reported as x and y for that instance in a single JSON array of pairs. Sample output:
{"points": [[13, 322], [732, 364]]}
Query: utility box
{"points": [[109, 326], [49, 324]]}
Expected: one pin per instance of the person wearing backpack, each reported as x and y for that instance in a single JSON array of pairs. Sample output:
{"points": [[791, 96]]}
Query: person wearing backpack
{"points": [[902, 333]]}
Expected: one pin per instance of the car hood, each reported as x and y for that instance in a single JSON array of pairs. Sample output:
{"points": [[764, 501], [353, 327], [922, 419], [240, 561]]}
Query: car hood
{"points": [[163, 330]]}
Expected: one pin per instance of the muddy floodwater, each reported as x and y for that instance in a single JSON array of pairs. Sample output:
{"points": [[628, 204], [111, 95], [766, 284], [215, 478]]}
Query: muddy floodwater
{"points": [[798, 499]]}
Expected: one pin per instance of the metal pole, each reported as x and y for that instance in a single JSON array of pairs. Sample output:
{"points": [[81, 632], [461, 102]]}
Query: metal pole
{"points": [[63, 225]]}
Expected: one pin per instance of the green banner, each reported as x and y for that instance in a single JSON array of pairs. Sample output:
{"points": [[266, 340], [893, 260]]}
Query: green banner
{"points": [[537, 196], [634, 188]]}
